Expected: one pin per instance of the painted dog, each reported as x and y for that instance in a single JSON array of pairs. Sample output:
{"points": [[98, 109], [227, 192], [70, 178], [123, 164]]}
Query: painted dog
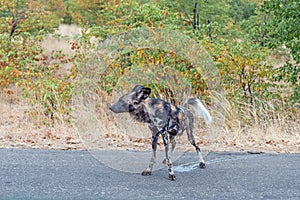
{"points": [[164, 119]]}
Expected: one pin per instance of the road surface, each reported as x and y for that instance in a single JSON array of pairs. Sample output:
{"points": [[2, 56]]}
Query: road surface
{"points": [[53, 174]]}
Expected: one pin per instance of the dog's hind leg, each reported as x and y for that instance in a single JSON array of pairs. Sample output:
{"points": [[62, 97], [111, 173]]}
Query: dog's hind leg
{"points": [[168, 160], [192, 140], [148, 171]]}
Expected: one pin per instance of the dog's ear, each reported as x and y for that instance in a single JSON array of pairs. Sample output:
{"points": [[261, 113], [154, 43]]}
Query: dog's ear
{"points": [[137, 88], [145, 92], [141, 93]]}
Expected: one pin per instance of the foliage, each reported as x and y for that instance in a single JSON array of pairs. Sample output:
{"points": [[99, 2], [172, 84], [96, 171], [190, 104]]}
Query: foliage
{"points": [[143, 58], [241, 10], [279, 28], [21, 16], [282, 25], [53, 94], [238, 38], [241, 67], [18, 60], [205, 10], [24, 64], [106, 18]]}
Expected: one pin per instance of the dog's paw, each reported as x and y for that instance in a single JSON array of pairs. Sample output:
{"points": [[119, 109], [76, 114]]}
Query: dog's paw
{"points": [[202, 165], [146, 173], [172, 177]]}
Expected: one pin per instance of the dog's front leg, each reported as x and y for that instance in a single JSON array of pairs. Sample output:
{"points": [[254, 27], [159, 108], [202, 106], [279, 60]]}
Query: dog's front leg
{"points": [[148, 171], [168, 160]]}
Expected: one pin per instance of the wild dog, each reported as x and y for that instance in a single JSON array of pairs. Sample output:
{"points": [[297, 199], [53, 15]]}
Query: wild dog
{"points": [[164, 119]]}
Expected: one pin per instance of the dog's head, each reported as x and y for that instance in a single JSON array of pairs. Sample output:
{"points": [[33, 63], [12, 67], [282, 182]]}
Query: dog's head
{"points": [[131, 100]]}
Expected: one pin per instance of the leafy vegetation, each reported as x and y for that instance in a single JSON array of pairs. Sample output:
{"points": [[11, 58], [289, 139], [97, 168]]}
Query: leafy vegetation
{"points": [[241, 35], [282, 27], [23, 62]]}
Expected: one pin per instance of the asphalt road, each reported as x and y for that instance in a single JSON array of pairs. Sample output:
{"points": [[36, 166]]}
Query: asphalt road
{"points": [[52, 174]]}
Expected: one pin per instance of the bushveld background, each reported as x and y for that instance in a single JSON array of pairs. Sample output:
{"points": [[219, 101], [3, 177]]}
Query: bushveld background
{"points": [[45, 46]]}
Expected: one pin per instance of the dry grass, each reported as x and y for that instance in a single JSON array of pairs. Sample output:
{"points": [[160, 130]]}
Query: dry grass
{"points": [[98, 128], [232, 130], [18, 129], [268, 128]]}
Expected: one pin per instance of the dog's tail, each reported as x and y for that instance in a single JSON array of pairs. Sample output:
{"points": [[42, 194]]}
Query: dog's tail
{"points": [[199, 109]]}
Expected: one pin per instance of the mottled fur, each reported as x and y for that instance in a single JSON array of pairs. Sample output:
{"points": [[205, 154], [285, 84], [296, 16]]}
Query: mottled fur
{"points": [[164, 119]]}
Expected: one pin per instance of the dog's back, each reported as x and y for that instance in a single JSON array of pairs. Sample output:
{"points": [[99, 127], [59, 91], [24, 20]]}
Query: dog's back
{"points": [[164, 115]]}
